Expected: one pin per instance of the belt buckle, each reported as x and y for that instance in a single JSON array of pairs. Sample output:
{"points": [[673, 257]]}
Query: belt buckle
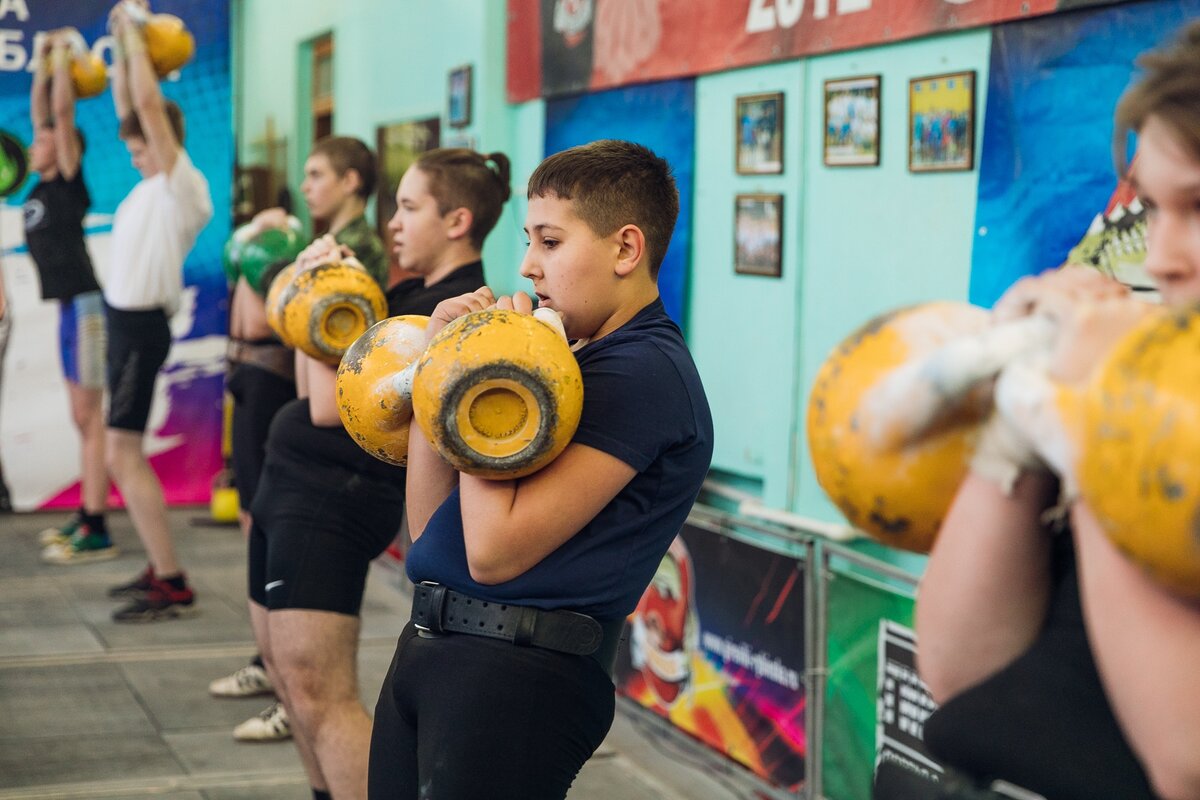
{"points": [[437, 600]]}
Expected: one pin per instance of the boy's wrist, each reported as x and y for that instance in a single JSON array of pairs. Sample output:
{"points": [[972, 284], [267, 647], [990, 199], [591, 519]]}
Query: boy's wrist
{"points": [[60, 58], [133, 42]]}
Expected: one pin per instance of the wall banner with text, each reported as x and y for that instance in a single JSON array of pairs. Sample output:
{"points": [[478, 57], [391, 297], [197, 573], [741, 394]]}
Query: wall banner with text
{"points": [[565, 46]]}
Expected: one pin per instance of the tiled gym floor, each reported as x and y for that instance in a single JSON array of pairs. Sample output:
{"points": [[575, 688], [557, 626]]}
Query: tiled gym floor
{"points": [[93, 709]]}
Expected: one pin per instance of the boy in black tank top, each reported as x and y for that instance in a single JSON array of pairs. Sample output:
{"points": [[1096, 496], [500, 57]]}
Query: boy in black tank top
{"points": [[262, 376], [54, 214], [325, 508]]}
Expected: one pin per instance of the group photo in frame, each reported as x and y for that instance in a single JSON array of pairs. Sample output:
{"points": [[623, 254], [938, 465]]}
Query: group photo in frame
{"points": [[758, 134], [459, 100], [852, 121], [758, 235], [941, 122]]}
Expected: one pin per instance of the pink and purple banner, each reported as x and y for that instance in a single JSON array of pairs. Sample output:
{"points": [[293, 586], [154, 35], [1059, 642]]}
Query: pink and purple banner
{"points": [[39, 447]]}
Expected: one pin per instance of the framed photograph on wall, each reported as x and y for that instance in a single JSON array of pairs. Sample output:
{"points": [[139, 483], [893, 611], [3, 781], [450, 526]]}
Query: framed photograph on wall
{"points": [[941, 123], [852, 121], [758, 134], [459, 113], [398, 146], [758, 234]]}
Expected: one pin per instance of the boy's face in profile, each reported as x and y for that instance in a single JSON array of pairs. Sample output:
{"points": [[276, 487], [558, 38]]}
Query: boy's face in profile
{"points": [[142, 157], [1167, 178], [418, 229], [41, 152], [570, 266], [323, 189]]}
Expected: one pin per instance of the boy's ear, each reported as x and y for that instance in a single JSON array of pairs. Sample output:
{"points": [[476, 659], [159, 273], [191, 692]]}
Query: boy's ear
{"points": [[631, 249], [352, 179], [458, 222]]}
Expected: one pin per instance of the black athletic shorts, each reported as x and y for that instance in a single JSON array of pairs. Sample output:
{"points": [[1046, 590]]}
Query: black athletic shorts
{"points": [[138, 343], [257, 395], [311, 548]]}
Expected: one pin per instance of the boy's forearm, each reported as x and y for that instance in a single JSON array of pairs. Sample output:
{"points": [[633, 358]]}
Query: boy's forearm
{"points": [[62, 87], [429, 481], [322, 393], [142, 87], [39, 96], [1147, 644], [119, 77], [986, 588]]}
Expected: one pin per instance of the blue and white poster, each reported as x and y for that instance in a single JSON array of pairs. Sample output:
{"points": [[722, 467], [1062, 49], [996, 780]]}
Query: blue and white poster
{"points": [[1047, 165], [39, 448]]}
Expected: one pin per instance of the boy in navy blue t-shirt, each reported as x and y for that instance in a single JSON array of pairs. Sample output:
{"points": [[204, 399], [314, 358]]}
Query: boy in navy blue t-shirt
{"points": [[559, 558]]}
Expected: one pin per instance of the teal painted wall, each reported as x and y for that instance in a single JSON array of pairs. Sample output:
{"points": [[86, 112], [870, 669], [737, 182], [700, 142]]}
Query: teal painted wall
{"points": [[856, 241], [879, 237], [742, 328], [391, 63]]}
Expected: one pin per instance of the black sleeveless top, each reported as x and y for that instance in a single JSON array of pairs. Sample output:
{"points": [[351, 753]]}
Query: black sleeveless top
{"points": [[1043, 722], [54, 215]]}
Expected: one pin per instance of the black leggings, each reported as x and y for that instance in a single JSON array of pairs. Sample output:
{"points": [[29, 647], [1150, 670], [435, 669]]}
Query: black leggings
{"points": [[464, 717]]}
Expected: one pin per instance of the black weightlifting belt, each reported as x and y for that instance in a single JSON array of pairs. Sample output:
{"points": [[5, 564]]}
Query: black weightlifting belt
{"points": [[438, 610]]}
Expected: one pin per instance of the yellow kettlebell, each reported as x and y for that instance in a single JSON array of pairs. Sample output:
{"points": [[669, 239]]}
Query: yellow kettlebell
{"points": [[89, 76], [276, 297], [224, 504], [169, 44], [898, 494], [497, 393], [1139, 451], [323, 310], [374, 390]]}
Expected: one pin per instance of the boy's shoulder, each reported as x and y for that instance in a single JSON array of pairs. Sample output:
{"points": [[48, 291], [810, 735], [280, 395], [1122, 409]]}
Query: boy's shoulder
{"points": [[650, 334], [648, 356], [360, 237]]}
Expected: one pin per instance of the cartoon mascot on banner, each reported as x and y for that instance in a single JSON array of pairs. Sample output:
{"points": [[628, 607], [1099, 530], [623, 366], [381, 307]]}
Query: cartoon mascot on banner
{"points": [[664, 628]]}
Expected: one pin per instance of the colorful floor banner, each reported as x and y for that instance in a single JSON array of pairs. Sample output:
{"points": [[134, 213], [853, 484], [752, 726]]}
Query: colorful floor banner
{"points": [[858, 609], [183, 438], [717, 647]]}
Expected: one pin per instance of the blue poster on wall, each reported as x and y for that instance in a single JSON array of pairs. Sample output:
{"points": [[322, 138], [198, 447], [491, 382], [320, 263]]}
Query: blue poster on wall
{"points": [[660, 116], [1047, 166], [184, 432]]}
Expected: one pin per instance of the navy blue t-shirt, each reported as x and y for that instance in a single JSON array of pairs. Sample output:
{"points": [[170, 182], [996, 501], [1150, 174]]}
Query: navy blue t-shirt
{"points": [[643, 404]]}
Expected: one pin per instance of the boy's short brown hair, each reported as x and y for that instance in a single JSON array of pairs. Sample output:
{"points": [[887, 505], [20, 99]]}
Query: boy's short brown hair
{"points": [[131, 126], [462, 178], [615, 183], [1169, 90], [345, 153], [79, 137]]}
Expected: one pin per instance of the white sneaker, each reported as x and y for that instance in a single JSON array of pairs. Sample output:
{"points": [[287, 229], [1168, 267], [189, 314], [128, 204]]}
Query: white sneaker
{"points": [[270, 726], [246, 682]]}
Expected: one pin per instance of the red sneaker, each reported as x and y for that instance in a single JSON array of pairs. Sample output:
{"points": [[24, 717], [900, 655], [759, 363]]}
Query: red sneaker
{"points": [[161, 601]]}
